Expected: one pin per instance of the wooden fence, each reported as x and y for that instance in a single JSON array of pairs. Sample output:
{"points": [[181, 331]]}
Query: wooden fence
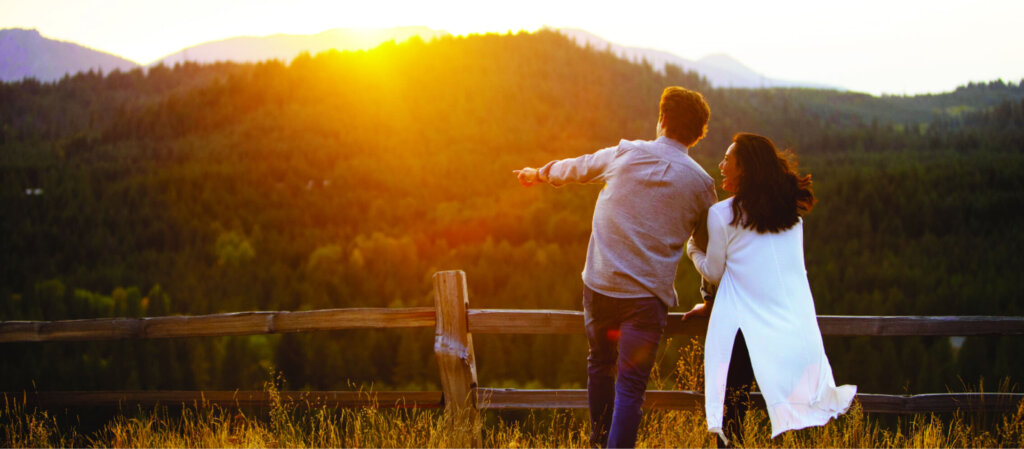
{"points": [[455, 323]]}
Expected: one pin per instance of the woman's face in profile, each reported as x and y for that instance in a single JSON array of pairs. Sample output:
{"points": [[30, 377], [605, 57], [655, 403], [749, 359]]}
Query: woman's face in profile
{"points": [[730, 171]]}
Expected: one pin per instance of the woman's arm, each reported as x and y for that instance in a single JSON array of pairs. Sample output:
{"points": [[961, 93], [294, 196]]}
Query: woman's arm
{"points": [[710, 264]]}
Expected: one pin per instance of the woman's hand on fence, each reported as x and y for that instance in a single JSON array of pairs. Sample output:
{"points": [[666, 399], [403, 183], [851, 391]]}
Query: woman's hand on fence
{"points": [[698, 311]]}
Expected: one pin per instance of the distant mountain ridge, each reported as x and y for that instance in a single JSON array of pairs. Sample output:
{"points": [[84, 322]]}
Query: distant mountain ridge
{"points": [[720, 69], [26, 53], [287, 46]]}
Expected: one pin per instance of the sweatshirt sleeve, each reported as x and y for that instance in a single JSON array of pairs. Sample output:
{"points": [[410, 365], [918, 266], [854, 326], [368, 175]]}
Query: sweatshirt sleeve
{"points": [[589, 168], [710, 264], [704, 200]]}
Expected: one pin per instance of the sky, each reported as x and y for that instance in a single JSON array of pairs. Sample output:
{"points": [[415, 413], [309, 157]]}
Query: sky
{"points": [[879, 47]]}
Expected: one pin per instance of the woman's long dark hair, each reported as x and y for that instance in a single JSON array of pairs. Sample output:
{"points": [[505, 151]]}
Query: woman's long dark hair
{"points": [[770, 196]]}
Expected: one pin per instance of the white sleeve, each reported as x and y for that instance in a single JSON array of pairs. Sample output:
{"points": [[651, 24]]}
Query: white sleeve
{"points": [[711, 265]]}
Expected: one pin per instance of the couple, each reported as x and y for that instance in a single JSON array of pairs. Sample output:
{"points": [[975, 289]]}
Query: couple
{"points": [[657, 202]]}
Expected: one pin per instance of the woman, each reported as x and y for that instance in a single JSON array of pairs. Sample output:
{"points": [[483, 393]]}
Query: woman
{"points": [[755, 255]]}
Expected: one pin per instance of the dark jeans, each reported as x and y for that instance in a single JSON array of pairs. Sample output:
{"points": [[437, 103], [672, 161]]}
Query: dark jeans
{"points": [[738, 384], [623, 335]]}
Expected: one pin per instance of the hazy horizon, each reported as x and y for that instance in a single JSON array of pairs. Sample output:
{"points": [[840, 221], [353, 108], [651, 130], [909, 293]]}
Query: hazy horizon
{"points": [[877, 47]]}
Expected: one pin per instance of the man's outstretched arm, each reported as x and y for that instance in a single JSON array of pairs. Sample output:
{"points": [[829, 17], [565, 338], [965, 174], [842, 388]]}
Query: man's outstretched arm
{"points": [[529, 176], [587, 168]]}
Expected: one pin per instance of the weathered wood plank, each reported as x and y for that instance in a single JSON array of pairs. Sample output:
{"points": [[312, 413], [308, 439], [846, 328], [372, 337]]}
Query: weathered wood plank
{"points": [[225, 324], [491, 398], [674, 400], [525, 321], [453, 344], [894, 326], [509, 398], [453, 347], [941, 402], [506, 398], [75, 330], [692, 326], [241, 323], [367, 318], [11, 331], [386, 399], [490, 321]]}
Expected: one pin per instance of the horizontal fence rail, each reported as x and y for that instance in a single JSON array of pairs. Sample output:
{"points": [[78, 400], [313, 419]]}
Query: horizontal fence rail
{"points": [[217, 325], [515, 321], [454, 324], [487, 398], [385, 399], [481, 321], [690, 400]]}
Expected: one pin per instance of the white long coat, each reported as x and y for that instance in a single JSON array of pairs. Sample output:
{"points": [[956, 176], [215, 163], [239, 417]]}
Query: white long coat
{"points": [[763, 290]]}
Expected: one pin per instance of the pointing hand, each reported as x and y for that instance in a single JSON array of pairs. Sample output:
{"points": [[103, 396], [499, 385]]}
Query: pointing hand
{"points": [[528, 176]]}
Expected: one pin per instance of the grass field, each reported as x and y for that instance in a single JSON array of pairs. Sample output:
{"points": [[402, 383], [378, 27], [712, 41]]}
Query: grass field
{"points": [[373, 427], [285, 425]]}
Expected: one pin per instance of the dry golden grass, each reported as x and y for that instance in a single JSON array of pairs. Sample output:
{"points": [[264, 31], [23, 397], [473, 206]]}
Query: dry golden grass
{"points": [[389, 428], [377, 427], [284, 425]]}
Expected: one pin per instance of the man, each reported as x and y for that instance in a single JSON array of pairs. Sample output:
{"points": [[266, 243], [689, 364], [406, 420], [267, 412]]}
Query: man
{"points": [[653, 197]]}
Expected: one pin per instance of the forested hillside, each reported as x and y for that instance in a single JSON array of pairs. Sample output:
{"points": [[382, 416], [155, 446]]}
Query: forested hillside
{"points": [[347, 179]]}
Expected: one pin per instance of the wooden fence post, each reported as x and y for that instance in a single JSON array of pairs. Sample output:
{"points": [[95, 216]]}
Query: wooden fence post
{"points": [[453, 346]]}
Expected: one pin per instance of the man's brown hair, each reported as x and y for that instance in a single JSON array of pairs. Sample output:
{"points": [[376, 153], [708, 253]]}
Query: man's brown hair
{"points": [[684, 114]]}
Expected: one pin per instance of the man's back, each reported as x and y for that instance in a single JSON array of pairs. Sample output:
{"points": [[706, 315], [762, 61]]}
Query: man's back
{"points": [[654, 194]]}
